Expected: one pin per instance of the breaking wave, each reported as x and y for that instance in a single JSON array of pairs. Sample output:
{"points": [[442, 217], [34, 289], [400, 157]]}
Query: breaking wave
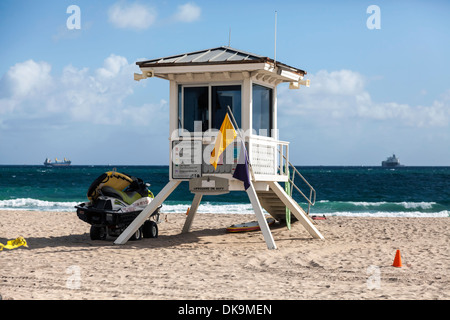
{"points": [[36, 205], [323, 207]]}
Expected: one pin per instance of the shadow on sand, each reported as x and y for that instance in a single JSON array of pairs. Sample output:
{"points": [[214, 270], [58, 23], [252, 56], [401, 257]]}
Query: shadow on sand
{"points": [[83, 242]]}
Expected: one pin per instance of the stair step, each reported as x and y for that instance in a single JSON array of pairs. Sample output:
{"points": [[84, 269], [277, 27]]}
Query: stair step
{"points": [[271, 196], [273, 202], [273, 205]]}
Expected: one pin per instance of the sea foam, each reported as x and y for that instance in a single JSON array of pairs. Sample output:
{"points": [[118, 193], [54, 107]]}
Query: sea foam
{"points": [[35, 204], [323, 207]]}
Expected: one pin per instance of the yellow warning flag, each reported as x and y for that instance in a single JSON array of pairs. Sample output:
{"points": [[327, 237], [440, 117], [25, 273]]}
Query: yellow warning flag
{"points": [[226, 136], [12, 244]]}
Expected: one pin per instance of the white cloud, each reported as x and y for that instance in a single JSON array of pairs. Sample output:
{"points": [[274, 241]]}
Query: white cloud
{"points": [[139, 17], [133, 16], [23, 81], [337, 121], [112, 66], [76, 95], [342, 95], [188, 12], [26, 78], [341, 83]]}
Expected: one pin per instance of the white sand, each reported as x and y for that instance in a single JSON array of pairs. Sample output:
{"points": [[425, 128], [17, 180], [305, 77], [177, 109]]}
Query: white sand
{"points": [[353, 262]]}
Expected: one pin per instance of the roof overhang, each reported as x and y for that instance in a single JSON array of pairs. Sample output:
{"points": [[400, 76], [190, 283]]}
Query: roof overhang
{"points": [[185, 68]]}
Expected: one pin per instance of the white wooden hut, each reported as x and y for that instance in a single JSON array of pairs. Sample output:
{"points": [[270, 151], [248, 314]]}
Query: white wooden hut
{"points": [[204, 85]]}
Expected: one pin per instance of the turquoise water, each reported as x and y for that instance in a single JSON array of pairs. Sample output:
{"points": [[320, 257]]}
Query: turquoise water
{"points": [[350, 191]]}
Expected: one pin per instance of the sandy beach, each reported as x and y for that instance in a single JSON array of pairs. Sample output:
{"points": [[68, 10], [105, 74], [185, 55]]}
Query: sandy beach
{"points": [[353, 262]]}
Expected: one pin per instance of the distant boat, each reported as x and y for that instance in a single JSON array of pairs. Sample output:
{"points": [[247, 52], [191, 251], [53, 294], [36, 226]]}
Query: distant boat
{"points": [[57, 163], [391, 162]]}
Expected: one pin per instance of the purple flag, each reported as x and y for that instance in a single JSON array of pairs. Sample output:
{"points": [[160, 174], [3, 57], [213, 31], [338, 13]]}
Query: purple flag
{"points": [[241, 172]]}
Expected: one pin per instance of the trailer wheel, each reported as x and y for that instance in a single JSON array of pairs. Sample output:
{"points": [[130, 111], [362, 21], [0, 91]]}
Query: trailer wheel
{"points": [[137, 235], [150, 229], [97, 233]]}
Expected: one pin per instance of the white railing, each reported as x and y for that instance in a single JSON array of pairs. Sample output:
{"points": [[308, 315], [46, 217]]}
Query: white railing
{"points": [[284, 169]]}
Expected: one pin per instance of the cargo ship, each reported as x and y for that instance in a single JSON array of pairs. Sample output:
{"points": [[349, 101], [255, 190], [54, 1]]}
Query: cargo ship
{"points": [[391, 162], [57, 163]]}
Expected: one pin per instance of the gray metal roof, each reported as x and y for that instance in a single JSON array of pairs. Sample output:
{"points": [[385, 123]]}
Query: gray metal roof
{"points": [[219, 55]]}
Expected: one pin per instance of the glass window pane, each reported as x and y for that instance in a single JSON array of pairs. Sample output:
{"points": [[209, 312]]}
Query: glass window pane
{"points": [[223, 96], [262, 110], [195, 107]]}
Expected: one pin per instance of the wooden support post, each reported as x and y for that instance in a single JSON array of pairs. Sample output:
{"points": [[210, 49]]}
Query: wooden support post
{"points": [[140, 219], [296, 210], [260, 217], [192, 212]]}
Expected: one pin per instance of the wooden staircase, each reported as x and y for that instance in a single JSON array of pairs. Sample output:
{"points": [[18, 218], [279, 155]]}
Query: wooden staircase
{"points": [[275, 200], [276, 208], [272, 204]]}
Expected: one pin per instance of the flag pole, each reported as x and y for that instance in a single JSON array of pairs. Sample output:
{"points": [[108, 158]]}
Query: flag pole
{"points": [[242, 139], [235, 123]]}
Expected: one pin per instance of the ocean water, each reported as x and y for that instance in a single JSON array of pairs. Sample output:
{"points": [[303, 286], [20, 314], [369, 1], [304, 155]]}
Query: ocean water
{"points": [[341, 191]]}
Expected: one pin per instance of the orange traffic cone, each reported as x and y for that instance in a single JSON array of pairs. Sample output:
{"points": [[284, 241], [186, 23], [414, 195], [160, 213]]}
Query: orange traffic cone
{"points": [[397, 260]]}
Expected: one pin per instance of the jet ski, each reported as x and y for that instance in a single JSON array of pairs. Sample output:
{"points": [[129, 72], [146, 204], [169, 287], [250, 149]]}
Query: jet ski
{"points": [[115, 200]]}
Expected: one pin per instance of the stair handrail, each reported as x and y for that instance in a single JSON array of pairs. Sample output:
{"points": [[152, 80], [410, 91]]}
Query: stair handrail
{"points": [[312, 192]]}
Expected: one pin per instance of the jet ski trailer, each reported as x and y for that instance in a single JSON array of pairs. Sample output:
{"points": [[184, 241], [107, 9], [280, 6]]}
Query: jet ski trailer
{"points": [[116, 199]]}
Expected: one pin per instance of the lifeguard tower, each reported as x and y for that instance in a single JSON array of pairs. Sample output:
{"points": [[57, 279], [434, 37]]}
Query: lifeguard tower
{"points": [[204, 86]]}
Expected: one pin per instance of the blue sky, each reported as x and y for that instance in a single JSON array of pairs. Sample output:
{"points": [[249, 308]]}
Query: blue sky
{"points": [[70, 93]]}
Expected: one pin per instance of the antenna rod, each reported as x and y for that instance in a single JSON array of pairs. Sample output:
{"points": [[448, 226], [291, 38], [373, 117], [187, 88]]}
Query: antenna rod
{"points": [[275, 49], [229, 38]]}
